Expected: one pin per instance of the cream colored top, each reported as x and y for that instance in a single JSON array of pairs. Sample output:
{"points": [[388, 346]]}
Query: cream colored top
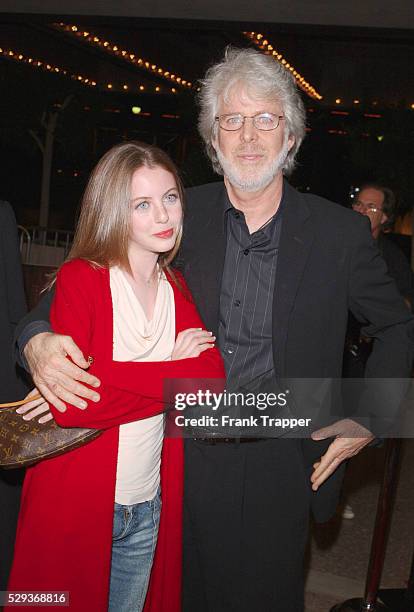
{"points": [[137, 339]]}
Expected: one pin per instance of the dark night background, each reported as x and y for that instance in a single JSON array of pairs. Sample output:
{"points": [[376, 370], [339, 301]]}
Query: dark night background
{"points": [[347, 142]]}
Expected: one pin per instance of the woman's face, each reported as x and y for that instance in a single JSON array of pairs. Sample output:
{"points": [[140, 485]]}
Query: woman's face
{"points": [[156, 211]]}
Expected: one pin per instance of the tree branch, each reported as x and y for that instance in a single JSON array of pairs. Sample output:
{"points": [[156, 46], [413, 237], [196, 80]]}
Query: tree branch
{"points": [[37, 139]]}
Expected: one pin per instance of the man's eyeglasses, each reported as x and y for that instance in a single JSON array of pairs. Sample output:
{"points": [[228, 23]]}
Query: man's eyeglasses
{"points": [[261, 121], [360, 206]]}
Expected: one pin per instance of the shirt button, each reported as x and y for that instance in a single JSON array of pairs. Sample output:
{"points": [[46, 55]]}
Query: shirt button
{"points": [[246, 251], [237, 303], [229, 350]]}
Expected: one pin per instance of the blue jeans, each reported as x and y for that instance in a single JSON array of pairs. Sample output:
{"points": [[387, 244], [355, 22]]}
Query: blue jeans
{"points": [[134, 538]]}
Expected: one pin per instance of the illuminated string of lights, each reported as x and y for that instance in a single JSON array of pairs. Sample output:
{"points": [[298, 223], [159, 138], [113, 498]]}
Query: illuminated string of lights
{"points": [[46, 66], [80, 78], [53, 69], [264, 45], [114, 49]]}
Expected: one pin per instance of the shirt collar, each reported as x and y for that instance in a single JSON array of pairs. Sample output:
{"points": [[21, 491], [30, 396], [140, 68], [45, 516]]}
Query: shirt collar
{"points": [[228, 206]]}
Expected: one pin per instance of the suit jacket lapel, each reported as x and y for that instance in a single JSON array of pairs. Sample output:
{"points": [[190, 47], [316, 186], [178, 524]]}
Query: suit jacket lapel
{"points": [[204, 269], [216, 249], [295, 243]]}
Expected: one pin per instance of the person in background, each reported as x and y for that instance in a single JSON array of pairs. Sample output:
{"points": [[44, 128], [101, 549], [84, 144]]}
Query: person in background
{"points": [[12, 386], [89, 518], [378, 204]]}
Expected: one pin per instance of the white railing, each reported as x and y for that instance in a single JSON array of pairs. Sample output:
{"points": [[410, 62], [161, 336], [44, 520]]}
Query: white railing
{"points": [[44, 247]]}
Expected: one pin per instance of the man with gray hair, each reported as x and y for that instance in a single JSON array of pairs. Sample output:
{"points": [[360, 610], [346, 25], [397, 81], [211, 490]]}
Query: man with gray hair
{"points": [[273, 273]]}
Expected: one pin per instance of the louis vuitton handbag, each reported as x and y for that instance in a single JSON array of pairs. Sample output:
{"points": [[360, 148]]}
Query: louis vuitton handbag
{"points": [[23, 443]]}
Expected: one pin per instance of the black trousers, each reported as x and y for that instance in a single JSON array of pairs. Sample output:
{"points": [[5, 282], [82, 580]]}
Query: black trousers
{"points": [[10, 491], [246, 516]]}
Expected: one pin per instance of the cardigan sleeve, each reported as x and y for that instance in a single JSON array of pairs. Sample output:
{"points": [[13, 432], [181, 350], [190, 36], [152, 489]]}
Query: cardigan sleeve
{"points": [[76, 310]]}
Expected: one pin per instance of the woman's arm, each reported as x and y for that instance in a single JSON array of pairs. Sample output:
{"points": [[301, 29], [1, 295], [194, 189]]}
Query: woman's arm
{"points": [[44, 355], [131, 390]]}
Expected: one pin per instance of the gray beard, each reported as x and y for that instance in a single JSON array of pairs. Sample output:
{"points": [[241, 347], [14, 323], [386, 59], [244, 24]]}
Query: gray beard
{"points": [[255, 183]]}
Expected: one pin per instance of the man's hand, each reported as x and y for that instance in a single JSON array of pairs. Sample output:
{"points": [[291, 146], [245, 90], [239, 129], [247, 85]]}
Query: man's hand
{"points": [[55, 376], [35, 408], [350, 438]]}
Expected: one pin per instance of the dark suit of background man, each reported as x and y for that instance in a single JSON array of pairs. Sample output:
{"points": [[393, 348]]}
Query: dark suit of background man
{"points": [[273, 273], [12, 308]]}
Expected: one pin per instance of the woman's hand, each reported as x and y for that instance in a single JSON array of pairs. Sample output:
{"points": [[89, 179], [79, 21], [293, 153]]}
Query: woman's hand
{"points": [[33, 409], [192, 342]]}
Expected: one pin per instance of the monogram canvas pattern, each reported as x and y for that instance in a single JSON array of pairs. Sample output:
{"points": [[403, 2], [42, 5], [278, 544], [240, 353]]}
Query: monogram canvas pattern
{"points": [[23, 443]]}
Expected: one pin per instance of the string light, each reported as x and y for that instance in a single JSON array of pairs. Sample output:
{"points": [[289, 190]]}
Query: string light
{"points": [[19, 57], [47, 67], [264, 45], [256, 38], [109, 47]]}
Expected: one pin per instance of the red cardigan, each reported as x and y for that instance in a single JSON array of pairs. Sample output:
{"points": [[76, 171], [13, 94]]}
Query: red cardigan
{"points": [[64, 534]]}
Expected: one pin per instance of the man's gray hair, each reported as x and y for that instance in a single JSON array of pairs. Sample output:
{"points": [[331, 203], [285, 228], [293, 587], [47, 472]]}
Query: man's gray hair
{"points": [[264, 78]]}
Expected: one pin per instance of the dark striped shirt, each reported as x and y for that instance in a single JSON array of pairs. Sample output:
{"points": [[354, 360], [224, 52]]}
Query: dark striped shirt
{"points": [[246, 298]]}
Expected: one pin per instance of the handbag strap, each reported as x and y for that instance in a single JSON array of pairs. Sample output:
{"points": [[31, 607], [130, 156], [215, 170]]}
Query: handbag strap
{"points": [[21, 402]]}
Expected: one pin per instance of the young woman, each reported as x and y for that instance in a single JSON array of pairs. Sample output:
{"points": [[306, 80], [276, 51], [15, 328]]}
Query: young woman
{"points": [[89, 518]]}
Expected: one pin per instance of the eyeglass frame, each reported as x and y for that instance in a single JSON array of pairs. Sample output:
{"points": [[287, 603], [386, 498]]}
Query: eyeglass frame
{"points": [[365, 207], [253, 117]]}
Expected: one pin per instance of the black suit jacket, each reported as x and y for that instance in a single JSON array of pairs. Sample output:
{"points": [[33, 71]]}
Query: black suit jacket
{"points": [[12, 303], [327, 264]]}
